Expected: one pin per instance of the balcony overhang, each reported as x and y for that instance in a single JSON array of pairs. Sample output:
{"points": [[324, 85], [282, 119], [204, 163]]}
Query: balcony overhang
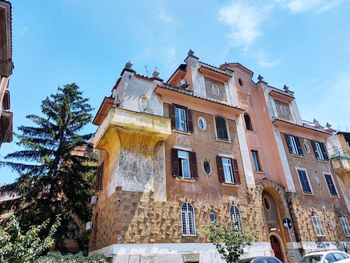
{"points": [[186, 98], [282, 96], [105, 106], [215, 74], [134, 131], [301, 130]]}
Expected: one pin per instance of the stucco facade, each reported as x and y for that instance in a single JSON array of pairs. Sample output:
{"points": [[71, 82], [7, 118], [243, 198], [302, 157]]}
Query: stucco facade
{"points": [[206, 146]]}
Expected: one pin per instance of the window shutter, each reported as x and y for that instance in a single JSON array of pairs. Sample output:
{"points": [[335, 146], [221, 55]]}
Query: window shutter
{"points": [[189, 120], [175, 162], [324, 151], [314, 148], [193, 161], [220, 169], [300, 149], [235, 171], [172, 115], [290, 148]]}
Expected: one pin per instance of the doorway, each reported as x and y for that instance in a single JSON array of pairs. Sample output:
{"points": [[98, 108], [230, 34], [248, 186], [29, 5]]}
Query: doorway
{"points": [[276, 247]]}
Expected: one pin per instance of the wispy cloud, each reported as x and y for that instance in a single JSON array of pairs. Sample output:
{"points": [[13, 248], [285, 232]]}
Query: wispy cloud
{"points": [[299, 6], [164, 15], [169, 57], [265, 61], [23, 31], [244, 21]]}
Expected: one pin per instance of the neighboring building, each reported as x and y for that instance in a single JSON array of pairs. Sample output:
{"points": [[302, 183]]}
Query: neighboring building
{"points": [[339, 154], [6, 66], [209, 145]]}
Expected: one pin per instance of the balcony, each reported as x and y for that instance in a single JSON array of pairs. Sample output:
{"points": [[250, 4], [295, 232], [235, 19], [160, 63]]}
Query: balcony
{"points": [[340, 159]]}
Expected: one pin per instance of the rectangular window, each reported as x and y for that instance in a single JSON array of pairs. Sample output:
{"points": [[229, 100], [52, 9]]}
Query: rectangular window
{"points": [[294, 146], [181, 118], [221, 129], [319, 150], [99, 177], [345, 225], [226, 164], [256, 161], [331, 186], [184, 164], [304, 181], [316, 221]]}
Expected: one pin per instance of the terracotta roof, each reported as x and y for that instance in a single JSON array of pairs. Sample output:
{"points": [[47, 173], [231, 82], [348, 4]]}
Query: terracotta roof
{"points": [[304, 125], [251, 73], [283, 92], [219, 70], [190, 93]]}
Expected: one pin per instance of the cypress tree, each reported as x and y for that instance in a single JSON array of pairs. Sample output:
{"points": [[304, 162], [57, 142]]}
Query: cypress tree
{"points": [[52, 179]]}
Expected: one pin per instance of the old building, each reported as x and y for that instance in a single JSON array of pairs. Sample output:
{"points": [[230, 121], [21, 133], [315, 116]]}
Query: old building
{"points": [[208, 145], [6, 67]]}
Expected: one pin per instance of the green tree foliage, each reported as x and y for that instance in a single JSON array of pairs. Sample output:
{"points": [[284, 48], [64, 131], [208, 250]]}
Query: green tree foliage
{"points": [[22, 248], [52, 179], [54, 257], [229, 241]]}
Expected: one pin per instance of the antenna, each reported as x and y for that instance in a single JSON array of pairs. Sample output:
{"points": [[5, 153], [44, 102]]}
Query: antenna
{"points": [[147, 72]]}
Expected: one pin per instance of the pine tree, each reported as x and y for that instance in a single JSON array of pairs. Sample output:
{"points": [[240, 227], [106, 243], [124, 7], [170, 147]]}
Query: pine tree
{"points": [[52, 179]]}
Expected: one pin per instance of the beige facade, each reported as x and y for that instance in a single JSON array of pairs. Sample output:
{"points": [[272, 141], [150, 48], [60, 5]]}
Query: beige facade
{"points": [[206, 146]]}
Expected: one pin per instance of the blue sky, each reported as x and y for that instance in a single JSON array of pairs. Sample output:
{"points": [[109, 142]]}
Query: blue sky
{"points": [[304, 44]]}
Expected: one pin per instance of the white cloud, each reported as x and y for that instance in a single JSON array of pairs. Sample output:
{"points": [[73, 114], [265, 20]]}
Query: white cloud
{"points": [[244, 20], [264, 61], [164, 15], [299, 6], [24, 31]]}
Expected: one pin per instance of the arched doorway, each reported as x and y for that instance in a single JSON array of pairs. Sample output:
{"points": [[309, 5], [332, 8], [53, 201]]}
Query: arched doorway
{"points": [[273, 215], [276, 247]]}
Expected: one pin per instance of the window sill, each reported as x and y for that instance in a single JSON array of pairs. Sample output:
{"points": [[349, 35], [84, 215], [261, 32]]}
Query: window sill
{"points": [[259, 172], [310, 194], [250, 131], [222, 140], [324, 161], [182, 132], [189, 235], [296, 156], [230, 184], [334, 196], [185, 180]]}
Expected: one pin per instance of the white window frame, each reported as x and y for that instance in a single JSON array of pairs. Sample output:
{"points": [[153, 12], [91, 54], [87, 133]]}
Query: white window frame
{"points": [[184, 162], [186, 212], [227, 130], [256, 161], [335, 186], [345, 225], [318, 227], [295, 149], [319, 151], [308, 180], [228, 166], [235, 215], [179, 114]]}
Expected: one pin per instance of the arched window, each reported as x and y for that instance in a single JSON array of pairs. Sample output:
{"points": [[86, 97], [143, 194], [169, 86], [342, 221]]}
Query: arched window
{"points": [[236, 217], [316, 221], [212, 216], [248, 122], [188, 220], [345, 225]]}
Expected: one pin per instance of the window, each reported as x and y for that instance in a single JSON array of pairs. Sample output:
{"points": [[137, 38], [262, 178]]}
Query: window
{"points": [[181, 118], [340, 256], [304, 181], [99, 177], [316, 221], [206, 166], [212, 217], [235, 217], [330, 258], [248, 123], [319, 150], [188, 220], [202, 124], [256, 161], [330, 183], [345, 225], [227, 170], [221, 129], [293, 145], [184, 164]]}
